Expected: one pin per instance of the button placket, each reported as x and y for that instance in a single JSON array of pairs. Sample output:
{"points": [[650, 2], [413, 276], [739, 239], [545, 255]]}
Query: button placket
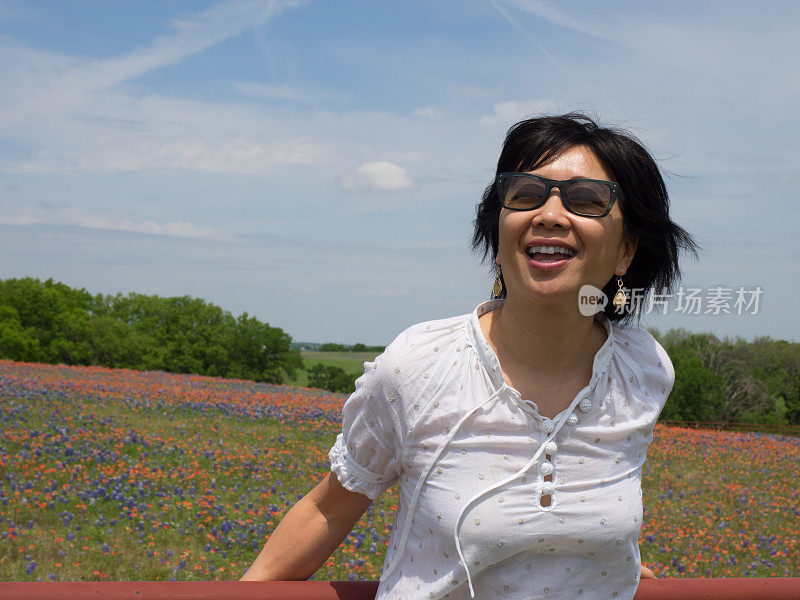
{"points": [[543, 452], [546, 466]]}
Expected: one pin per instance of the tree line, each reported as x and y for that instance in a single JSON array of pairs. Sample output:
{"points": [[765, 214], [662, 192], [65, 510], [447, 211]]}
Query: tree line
{"points": [[333, 347], [47, 321], [731, 380]]}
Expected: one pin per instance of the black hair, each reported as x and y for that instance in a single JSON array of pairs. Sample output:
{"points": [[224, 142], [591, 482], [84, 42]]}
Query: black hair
{"points": [[644, 203]]}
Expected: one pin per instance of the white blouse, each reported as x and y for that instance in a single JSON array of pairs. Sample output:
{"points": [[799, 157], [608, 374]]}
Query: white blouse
{"points": [[471, 456]]}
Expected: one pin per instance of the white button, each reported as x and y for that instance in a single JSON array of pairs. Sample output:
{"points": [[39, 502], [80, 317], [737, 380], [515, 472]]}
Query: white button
{"points": [[572, 419], [550, 447], [546, 468], [585, 405], [547, 489], [548, 426]]}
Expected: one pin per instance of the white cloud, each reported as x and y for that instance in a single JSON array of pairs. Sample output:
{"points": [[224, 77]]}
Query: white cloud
{"points": [[192, 35], [380, 176], [175, 228], [157, 153], [69, 115], [282, 93], [727, 59], [429, 112], [42, 78], [79, 218], [548, 12], [74, 114], [507, 113], [525, 33]]}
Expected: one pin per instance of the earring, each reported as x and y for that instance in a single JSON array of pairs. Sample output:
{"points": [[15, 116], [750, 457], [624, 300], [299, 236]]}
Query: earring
{"points": [[497, 288], [620, 298]]}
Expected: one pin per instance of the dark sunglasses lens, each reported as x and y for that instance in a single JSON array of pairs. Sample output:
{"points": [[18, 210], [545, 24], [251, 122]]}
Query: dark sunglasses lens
{"points": [[588, 198], [523, 193]]}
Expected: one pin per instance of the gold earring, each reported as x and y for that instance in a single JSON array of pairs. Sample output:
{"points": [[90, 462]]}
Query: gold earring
{"points": [[497, 288], [620, 298]]}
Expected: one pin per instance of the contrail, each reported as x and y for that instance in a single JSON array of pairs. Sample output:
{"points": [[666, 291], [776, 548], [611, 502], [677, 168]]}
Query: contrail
{"points": [[526, 34]]}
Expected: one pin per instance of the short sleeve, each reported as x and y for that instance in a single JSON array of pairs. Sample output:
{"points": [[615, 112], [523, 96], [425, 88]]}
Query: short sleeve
{"points": [[650, 364], [366, 455]]}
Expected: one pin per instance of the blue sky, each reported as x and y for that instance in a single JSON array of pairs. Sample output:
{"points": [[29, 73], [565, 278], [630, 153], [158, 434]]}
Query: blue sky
{"points": [[316, 164]]}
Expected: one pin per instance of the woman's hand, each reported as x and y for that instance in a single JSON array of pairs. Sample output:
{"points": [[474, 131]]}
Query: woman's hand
{"points": [[647, 573]]}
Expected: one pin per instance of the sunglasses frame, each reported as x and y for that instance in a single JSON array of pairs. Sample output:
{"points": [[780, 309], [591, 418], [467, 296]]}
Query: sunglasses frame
{"points": [[562, 186]]}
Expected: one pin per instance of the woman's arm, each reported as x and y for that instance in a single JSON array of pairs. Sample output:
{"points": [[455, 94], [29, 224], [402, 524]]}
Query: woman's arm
{"points": [[309, 533]]}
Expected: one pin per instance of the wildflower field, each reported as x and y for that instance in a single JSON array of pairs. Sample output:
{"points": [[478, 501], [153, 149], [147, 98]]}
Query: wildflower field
{"points": [[123, 475]]}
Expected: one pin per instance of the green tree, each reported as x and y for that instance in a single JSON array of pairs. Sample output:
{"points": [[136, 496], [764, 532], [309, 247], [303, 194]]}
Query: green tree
{"points": [[331, 347], [261, 352], [698, 394], [760, 378], [116, 344], [16, 342], [51, 322], [54, 315], [334, 379], [198, 337]]}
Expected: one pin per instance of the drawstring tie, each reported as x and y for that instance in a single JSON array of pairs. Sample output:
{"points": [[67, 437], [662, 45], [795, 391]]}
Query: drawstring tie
{"points": [[495, 486], [425, 472], [429, 465]]}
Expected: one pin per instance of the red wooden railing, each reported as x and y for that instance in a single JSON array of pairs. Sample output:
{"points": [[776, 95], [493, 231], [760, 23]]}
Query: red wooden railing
{"points": [[776, 588]]}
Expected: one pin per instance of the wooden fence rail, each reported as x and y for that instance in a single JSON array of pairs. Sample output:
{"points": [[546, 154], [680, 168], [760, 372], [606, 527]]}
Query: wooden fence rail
{"points": [[776, 588]]}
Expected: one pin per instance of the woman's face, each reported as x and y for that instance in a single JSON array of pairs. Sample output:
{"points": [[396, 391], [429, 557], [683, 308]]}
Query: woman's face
{"points": [[601, 249]]}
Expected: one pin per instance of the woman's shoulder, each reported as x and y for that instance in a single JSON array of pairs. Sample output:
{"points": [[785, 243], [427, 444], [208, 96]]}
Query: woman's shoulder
{"points": [[420, 356], [646, 357], [427, 339]]}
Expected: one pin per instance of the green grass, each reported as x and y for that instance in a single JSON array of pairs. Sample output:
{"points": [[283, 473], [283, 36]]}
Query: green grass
{"points": [[350, 362]]}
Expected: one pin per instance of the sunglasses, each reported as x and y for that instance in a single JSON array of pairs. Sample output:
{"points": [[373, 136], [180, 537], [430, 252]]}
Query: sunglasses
{"points": [[582, 197]]}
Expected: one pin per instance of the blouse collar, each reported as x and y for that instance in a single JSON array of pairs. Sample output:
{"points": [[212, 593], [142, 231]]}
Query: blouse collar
{"points": [[489, 359]]}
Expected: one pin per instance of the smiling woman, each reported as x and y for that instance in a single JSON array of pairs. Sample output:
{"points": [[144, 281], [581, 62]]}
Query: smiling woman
{"points": [[516, 433], [538, 223], [638, 199]]}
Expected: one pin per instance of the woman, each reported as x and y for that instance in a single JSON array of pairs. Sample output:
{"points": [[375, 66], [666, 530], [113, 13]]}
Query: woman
{"points": [[517, 433]]}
